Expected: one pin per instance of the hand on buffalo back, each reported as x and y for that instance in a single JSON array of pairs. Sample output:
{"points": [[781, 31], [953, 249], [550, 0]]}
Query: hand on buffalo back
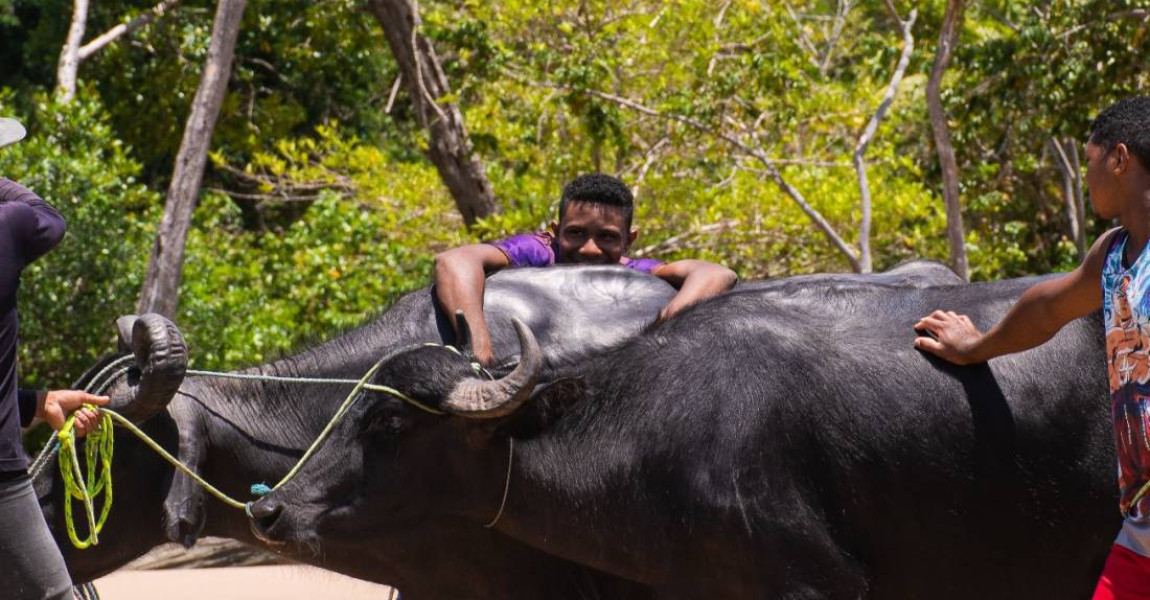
{"points": [[58, 404], [955, 336]]}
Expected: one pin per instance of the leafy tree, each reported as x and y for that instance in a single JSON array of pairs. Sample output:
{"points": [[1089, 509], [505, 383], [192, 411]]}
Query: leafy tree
{"points": [[70, 298]]}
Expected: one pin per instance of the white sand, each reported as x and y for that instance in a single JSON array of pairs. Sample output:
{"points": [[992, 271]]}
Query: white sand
{"points": [[237, 583]]}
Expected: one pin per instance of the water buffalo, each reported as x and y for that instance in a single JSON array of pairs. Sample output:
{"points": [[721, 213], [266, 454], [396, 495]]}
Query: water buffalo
{"points": [[760, 445], [238, 433]]}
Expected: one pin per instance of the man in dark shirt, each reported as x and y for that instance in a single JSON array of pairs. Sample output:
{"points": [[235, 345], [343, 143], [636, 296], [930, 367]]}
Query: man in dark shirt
{"points": [[31, 566]]}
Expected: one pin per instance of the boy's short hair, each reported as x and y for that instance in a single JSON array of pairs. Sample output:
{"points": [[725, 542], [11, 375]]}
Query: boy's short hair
{"points": [[598, 188], [1126, 122]]}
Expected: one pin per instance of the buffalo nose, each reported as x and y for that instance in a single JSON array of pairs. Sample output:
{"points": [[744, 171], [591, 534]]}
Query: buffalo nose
{"points": [[265, 511]]}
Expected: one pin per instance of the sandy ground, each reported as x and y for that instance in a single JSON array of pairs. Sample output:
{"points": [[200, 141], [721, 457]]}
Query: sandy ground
{"points": [[280, 582]]}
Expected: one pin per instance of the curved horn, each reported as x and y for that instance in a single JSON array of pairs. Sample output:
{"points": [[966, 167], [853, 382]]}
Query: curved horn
{"points": [[479, 399], [463, 339], [162, 358], [124, 332]]}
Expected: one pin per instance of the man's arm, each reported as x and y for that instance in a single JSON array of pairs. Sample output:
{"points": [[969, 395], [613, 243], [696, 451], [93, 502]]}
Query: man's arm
{"points": [[36, 225], [696, 280], [1041, 311], [459, 283]]}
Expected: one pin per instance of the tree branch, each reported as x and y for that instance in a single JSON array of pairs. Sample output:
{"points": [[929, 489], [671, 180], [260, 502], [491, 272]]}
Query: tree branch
{"points": [[871, 128], [718, 21], [156, 12], [262, 198], [1069, 176], [844, 8], [648, 161], [393, 94], [69, 57], [1134, 13], [415, 51], [804, 41], [769, 164], [674, 243]]}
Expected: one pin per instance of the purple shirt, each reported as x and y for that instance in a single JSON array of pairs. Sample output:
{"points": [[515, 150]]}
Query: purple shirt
{"points": [[539, 250]]}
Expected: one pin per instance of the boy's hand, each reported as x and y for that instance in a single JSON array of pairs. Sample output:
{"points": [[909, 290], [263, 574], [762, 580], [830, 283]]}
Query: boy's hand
{"points": [[955, 337], [670, 310], [55, 406], [483, 353]]}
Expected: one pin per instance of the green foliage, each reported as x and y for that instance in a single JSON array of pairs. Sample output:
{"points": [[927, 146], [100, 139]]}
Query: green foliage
{"points": [[69, 298], [349, 254], [320, 206], [1028, 74]]}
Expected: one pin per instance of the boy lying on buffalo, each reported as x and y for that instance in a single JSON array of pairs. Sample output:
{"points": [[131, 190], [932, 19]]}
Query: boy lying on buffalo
{"points": [[1118, 178], [594, 227]]}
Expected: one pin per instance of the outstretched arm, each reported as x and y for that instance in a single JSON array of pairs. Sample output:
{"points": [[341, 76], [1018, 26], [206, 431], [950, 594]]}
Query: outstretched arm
{"points": [[459, 283], [696, 280], [1041, 311]]}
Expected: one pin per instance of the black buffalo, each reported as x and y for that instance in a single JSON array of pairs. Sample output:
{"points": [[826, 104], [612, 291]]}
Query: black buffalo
{"points": [[239, 433], [782, 444]]}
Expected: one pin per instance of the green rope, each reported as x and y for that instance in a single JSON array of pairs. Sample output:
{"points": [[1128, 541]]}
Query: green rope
{"points": [[99, 446], [98, 452]]}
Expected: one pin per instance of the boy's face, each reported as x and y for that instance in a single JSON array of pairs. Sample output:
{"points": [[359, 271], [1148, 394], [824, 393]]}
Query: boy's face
{"points": [[592, 234], [1103, 174]]}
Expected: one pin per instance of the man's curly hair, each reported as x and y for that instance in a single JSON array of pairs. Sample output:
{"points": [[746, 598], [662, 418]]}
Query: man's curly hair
{"points": [[597, 188], [1125, 122]]}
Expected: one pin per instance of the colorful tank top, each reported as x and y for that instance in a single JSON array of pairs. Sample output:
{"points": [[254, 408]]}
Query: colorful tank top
{"points": [[1126, 310]]}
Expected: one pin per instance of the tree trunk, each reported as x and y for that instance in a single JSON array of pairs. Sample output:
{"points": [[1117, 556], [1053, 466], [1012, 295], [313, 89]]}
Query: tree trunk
{"points": [[1079, 199], [70, 56], [1067, 164], [449, 148], [947, 40], [162, 285]]}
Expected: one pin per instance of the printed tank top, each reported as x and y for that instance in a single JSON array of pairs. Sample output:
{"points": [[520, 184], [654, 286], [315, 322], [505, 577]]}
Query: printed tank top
{"points": [[1126, 310]]}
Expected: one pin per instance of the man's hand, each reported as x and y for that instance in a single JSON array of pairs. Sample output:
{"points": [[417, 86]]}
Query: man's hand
{"points": [[55, 406], [956, 337]]}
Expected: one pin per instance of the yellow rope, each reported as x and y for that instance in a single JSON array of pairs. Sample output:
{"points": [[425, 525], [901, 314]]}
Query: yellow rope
{"points": [[98, 455], [77, 487]]}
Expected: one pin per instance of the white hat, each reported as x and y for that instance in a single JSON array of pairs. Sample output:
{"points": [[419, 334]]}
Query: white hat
{"points": [[11, 131]]}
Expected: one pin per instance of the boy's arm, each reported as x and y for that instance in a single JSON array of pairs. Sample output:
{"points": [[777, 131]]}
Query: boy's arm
{"points": [[696, 280], [459, 283], [1035, 317]]}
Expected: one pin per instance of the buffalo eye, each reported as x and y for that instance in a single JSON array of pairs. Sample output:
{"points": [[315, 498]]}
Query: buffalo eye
{"points": [[386, 424]]}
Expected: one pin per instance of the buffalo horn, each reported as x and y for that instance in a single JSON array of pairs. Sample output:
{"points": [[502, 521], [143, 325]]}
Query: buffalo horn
{"points": [[463, 340], [481, 399], [124, 327], [161, 358]]}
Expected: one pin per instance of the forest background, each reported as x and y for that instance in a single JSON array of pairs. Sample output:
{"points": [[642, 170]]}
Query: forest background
{"points": [[776, 136]]}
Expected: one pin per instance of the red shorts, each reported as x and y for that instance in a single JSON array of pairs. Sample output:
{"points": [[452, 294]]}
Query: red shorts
{"points": [[1126, 576]]}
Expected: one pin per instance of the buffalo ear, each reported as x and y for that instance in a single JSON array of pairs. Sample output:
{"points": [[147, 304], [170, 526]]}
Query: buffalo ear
{"points": [[184, 510], [548, 403], [463, 333]]}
